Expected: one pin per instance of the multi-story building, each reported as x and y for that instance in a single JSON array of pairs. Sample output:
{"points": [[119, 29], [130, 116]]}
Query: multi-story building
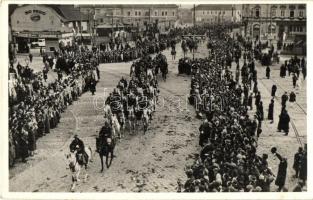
{"points": [[217, 14], [133, 15], [278, 22], [185, 16]]}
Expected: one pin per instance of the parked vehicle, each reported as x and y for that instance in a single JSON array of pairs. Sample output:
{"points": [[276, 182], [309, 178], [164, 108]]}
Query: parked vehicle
{"points": [[39, 43]]}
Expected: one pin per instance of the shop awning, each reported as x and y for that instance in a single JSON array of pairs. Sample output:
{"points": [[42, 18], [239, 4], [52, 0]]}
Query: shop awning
{"points": [[52, 35]]}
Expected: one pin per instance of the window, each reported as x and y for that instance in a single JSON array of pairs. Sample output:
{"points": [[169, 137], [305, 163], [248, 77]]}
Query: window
{"points": [[292, 14], [128, 13], [162, 13], [165, 13], [273, 13], [282, 13], [156, 13], [301, 13], [136, 13], [101, 20], [139, 13], [257, 13], [224, 12], [173, 13]]}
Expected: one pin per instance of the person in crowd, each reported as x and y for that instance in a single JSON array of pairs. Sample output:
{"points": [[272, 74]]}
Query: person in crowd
{"points": [[270, 115], [274, 89], [283, 71], [268, 72], [282, 170], [173, 53], [30, 56], [292, 97], [284, 99], [294, 80], [298, 158], [283, 123]]}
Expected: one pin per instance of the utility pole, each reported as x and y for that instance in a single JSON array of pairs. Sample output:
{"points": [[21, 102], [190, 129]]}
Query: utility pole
{"points": [[149, 15], [81, 26], [112, 22], [94, 25]]}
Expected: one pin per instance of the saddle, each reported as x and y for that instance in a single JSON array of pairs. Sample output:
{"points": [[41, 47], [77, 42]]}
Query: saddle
{"points": [[82, 158]]}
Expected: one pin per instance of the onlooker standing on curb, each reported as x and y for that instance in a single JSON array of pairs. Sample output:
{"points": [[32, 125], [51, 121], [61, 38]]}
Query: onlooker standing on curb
{"points": [[282, 170], [297, 161]]}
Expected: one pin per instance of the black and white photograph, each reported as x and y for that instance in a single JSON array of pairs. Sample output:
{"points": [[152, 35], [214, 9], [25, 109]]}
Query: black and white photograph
{"points": [[154, 98]]}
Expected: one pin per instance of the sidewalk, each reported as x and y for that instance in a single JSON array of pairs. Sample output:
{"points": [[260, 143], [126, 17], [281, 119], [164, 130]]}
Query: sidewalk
{"points": [[287, 145]]}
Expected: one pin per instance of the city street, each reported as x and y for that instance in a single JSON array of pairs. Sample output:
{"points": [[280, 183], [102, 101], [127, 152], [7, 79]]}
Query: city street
{"points": [[172, 137]]}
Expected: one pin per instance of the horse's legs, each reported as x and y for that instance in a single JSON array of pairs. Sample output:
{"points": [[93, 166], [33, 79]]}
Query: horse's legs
{"points": [[86, 175], [101, 158], [112, 156], [77, 174], [107, 160], [73, 183]]}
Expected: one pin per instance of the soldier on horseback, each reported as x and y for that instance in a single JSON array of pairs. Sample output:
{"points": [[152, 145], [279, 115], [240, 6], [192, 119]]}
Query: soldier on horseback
{"points": [[105, 143], [104, 134], [78, 146]]}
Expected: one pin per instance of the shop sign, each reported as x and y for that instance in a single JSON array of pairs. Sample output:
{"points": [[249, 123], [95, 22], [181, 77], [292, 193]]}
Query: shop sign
{"points": [[35, 14]]}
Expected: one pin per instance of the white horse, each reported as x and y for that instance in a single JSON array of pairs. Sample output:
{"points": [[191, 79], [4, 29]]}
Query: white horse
{"points": [[150, 74], [116, 127], [145, 119], [107, 113], [121, 120], [131, 119], [75, 165]]}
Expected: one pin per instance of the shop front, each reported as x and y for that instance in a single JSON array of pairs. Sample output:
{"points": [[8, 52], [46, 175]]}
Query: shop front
{"points": [[33, 23]]}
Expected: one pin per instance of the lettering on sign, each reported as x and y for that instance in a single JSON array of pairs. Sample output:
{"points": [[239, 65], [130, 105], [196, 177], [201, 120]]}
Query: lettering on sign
{"points": [[35, 14], [35, 11]]}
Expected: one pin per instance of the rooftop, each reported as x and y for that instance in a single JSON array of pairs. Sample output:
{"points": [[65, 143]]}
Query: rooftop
{"points": [[214, 7], [67, 12], [128, 6]]}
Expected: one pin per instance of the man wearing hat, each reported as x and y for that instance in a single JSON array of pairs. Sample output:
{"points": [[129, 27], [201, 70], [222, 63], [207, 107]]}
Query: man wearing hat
{"points": [[297, 161], [78, 146]]}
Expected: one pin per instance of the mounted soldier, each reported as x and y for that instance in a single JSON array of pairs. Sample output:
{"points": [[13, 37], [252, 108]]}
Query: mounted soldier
{"points": [[78, 146], [105, 144]]}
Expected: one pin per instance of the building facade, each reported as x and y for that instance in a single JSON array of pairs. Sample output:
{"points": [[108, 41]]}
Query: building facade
{"points": [[50, 22], [185, 16], [133, 15], [217, 14], [278, 22]]}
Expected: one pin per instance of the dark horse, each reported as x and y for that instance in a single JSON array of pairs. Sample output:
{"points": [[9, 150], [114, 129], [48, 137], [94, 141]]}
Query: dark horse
{"points": [[184, 47], [105, 146], [162, 64]]}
